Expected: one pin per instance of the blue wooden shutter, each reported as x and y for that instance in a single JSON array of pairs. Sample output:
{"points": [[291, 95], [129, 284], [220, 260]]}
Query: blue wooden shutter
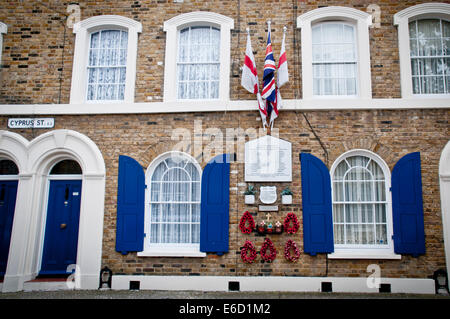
{"points": [[407, 206], [316, 204], [214, 218], [130, 206]]}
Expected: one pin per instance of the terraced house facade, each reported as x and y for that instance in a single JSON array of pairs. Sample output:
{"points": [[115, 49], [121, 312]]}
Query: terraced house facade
{"points": [[126, 141]]}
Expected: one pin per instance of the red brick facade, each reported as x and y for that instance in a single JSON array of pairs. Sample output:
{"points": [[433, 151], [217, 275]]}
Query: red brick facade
{"points": [[37, 67]]}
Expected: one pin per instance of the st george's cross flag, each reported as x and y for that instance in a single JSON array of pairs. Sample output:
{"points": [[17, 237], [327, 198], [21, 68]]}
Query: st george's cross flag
{"points": [[249, 79], [282, 71]]}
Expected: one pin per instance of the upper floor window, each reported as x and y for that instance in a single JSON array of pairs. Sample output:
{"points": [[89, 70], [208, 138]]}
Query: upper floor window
{"points": [[3, 29], [430, 56], [424, 49], [335, 52], [197, 62], [107, 65], [334, 59], [104, 68]]}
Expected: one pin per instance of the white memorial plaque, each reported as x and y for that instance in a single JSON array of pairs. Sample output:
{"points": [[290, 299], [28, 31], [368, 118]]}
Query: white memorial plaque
{"points": [[263, 208], [268, 159], [268, 194]]}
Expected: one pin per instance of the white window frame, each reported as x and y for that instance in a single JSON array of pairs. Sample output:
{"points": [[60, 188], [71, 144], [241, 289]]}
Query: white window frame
{"points": [[401, 20], [362, 21], [338, 62], [83, 31], [3, 30], [166, 250], [198, 18], [362, 252]]}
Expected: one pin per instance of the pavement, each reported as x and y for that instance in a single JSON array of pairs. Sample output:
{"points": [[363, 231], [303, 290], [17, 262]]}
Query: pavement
{"points": [[186, 295]]}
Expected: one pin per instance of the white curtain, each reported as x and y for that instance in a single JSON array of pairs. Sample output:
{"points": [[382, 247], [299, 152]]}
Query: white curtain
{"points": [[107, 65], [334, 59], [359, 202], [175, 203], [430, 56], [198, 63]]}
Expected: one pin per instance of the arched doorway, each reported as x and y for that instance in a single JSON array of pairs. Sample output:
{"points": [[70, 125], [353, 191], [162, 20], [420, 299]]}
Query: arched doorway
{"points": [[62, 219], [444, 185], [39, 162], [8, 193]]}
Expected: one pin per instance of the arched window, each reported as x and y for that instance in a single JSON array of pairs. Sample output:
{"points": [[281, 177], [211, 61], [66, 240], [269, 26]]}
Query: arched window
{"points": [[362, 217], [173, 214], [8, 167], [66, 167]]}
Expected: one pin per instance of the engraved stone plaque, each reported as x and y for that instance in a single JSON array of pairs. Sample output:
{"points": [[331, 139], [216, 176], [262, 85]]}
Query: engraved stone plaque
{"points": [[268, 159]]}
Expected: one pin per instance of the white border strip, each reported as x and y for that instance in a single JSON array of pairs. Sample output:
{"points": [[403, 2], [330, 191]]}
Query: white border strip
{"points": [[293, 284], [218, 106]]}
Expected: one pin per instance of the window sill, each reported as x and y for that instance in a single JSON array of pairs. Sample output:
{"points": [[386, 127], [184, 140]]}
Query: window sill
{"points": [[363, 254], [161, 253]]}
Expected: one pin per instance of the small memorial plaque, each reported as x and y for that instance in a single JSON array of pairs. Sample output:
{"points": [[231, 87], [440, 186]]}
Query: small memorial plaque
{"points": [[266, 208], [268, 194]]}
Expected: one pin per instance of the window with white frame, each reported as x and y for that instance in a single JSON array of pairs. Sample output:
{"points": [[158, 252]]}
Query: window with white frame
{"points": [[104, 67], [424, 42], [198, 63], [197, 58], [107, 65], [172, 218], [3, 30], [430, 56], [362, 212], [334, 59], [335, 53]]}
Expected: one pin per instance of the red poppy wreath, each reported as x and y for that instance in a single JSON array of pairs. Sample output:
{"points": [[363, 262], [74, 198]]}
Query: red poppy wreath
{"points": [[272, 251], [251, 223], [291, 245], [291, 217], [245, 250]]}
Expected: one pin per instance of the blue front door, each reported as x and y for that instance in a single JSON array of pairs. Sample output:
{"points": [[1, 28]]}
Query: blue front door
{"points": [[61, 230], [8, 192]]}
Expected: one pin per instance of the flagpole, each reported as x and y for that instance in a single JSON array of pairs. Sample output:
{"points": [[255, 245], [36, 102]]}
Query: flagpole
{"points": [[269, 130]]}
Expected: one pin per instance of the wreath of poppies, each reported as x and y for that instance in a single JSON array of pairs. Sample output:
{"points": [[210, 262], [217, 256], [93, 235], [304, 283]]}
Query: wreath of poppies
{"points": [[246, 249], [251, 223], [291, 217], [272, 251], [291, 245]]}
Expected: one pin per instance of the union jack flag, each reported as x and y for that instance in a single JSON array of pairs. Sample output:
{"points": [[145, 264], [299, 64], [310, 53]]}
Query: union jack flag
{"points": [[268, 91]]}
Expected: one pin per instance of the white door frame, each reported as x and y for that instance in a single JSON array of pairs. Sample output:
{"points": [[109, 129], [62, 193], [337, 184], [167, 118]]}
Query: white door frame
{"points": [[34, 160], [444, 185]]}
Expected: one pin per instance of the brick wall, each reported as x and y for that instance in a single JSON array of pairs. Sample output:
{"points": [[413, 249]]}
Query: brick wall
{"points": [[391, 134], [37, 62], [38, 48]]}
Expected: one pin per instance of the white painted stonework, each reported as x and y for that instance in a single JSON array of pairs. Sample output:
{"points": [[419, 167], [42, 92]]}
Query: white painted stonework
{"points": [[35, 159], [444, 183], [293, 284]]}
